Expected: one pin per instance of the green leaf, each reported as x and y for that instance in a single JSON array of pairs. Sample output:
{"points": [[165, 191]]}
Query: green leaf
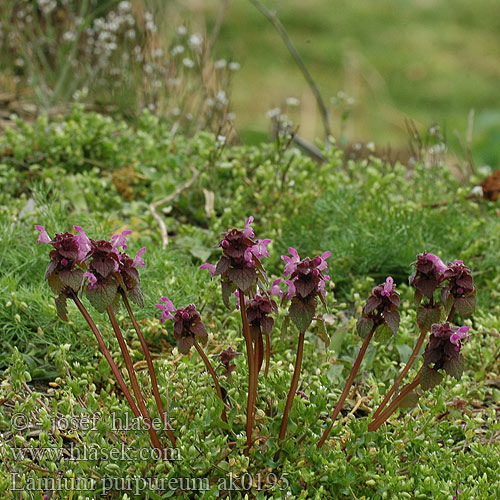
{"points": [[136, 296], [61, 307], [302, 313], [73, 279], [430, 378], [383, 333], [284, 327], [410, 400], [428, 316], [465, 306], [392, 320], [102, 296], [55, 283], [242, 278], [227, 290], [323, 334], [455, 367], [364, 326]]}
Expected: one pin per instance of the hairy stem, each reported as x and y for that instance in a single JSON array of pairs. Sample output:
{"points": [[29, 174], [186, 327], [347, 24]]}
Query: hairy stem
{"points": [[214, 377], [106, 354], [133, 378], [293, 386], [347, 387], [250, 358], [394, 405], [151, 369]]}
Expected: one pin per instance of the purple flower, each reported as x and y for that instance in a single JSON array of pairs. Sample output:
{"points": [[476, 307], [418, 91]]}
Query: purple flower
{"points": [[443, 349], [82, 242], [210, 267], [291, 262], [459, 278], [167, 309], [91, 279], [138, 260], [381, 307], [43, 237], [240, 264], [248, 230], [187, 324], [105, 260], [258, 312], [275, 288], [306, 276], [120, 240], [428, 274]]}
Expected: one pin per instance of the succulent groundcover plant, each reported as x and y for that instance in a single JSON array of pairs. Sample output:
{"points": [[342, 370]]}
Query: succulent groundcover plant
{"points": [[107, 276]]}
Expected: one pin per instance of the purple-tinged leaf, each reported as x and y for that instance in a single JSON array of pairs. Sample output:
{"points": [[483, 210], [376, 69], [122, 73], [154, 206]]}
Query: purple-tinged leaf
{"points": [[430, 378], [243, 278], [465, 306], [364, 326], [136, 296], [371, 304], [383, 333], [302, 313], [227, 290], [103, 295], [55, 283], [184, 344], [455, 367], [61, 307], [428, 316], [392, 320], [409, 401], [73, 279]]}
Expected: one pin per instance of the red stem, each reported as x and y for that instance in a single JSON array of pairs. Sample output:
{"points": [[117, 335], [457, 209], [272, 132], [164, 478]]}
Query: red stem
{"points": [[404, 371], [133, 379], [214, 377], [107, 355], [250, 358], [268, 355], [151, 369], [394, 405], [347, 387], [293, 386]]}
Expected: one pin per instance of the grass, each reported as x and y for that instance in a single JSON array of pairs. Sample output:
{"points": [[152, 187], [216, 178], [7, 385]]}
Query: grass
{"points": [[373, 217], [416, 59]]}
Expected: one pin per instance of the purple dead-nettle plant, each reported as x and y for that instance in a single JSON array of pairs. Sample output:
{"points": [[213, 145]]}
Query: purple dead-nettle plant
{"points": [[379, 318], [306, 283], [65, 271], [188, 329], [81, 265], [442, 354], [440, 291], [240, 269]]}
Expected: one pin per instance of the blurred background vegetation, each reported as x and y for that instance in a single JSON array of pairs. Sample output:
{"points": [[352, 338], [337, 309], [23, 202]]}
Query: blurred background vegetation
{"points": [[377, 64]]}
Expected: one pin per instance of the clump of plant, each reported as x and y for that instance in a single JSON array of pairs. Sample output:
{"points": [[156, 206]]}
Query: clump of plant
{"points": [[107, 276]]}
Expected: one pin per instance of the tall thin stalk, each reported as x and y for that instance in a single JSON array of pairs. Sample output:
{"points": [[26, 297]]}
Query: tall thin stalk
{"points": [[107, 355], [374, 425], [406, 369], [250, 358], [347, 387], [133, 379], [151, 369], [212, 372], [293, 386]]}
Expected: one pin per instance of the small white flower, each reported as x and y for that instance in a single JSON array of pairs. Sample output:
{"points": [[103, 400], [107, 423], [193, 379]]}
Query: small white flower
{"points": [[220, 64], [178, 49], [230, 116], [234, 66], [273, 113], [210, 102], [124, 7], [182, 30], [221, 97], [195, 40], [130, 34], [189, 63], [293, 102], [221, 140]]}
